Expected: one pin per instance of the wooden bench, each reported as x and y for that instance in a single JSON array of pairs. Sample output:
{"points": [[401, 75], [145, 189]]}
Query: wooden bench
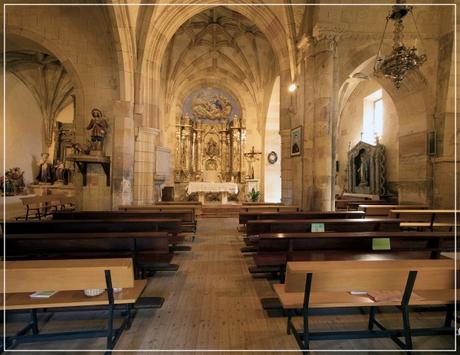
{"points": [[330, 225], [247, 203], [244, 217], [275, 250], [38, 207], [169, 225], [272, 208], [70, 278], [187, 217], [426, 219], [384, 210], [149, 250], [329, 284], [197, 208], [352, 205]]}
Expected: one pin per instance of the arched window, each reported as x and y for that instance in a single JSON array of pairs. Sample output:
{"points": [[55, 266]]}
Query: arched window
{"points": [[373, 117]]}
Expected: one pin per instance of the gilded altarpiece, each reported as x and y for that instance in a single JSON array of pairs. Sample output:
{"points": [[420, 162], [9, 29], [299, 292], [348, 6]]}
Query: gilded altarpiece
{"points": [[210, 140]]}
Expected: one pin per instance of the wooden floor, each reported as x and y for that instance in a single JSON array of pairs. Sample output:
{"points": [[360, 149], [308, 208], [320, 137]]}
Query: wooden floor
{"points": [[212, 302]]}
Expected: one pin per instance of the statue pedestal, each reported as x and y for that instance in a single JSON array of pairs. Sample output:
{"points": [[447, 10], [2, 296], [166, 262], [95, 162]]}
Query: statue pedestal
{"points": [[83, 160]]}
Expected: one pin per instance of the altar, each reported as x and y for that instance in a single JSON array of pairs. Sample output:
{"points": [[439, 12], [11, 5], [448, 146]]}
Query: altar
{"points": [[224, 188]]}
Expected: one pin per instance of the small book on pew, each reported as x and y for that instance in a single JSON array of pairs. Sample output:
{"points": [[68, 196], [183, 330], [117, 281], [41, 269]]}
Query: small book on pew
{"points": [[390, 296], [42, 294]]}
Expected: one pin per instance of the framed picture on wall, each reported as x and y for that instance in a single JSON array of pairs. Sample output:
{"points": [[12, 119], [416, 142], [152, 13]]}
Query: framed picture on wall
{"points": [[296, 141]]}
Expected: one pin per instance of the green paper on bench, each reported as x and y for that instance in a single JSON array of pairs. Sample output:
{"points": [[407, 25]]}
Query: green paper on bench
{"points": [[317, 227], [381, 244]]}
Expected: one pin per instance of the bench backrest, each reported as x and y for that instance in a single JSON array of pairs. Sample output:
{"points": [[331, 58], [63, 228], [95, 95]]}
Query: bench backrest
{"points": [[85, 226], [356, 241], [337, 276], [66, 275], [384, 210], [273, 208], [172, 203], [425, 215], [263, 204], [244, 217], [47, 246], [332, 225], [196, 209], [183, 215]]}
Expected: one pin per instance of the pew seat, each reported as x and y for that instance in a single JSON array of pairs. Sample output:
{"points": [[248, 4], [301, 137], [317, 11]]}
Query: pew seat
{"points": [[70, 278], [367, 284]]}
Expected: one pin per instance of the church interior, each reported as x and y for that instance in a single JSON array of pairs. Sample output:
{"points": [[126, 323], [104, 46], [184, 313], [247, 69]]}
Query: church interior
{"points": [[250, 175]]}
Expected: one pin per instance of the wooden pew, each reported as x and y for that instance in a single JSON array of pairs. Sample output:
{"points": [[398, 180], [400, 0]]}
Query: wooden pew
{"points": [[330, 225], [244, 217], [70, 278], [247, 203], [275, 250], [352, 205], [273, 208], [196, 208], [149, 250], [170, 225], [426, 219], [384, 210], [329, 285], [187, 217]]}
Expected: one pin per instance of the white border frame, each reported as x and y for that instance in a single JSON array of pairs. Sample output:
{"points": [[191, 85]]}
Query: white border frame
{"points": [[231, 5]]}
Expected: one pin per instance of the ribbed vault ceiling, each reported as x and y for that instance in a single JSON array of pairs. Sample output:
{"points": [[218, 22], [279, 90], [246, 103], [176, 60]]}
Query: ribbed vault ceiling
{"points": [[224, 48]]}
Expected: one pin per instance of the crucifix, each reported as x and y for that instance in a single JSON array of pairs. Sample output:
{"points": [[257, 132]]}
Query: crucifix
{"points": [[251, 157]]}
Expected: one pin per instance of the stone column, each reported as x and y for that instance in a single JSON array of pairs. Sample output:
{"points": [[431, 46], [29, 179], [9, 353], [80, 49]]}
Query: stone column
{"points": [[144, 165], [321, 69], [122, 154], [287, 185]]}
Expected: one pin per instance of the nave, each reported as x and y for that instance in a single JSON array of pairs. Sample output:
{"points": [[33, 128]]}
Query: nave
{"points": [[213, 302]]}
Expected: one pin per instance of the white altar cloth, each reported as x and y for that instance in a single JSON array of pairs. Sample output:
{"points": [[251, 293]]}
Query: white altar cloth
{"points": [[199, 186]]}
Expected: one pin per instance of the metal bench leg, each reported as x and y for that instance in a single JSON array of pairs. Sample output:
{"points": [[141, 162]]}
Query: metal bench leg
{"points": [[282, 273], [33, 321], [306, 301], [371, 318], [306, 331], [406, 330], [405, 309], [289, 320], [449, 315], [110, 344], [128, 316]]}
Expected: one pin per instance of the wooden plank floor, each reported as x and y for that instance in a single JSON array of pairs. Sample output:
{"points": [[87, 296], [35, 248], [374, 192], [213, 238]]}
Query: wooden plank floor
{"points": [[212, 302]]}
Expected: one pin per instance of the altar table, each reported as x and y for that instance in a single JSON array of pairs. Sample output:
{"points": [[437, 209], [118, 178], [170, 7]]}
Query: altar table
{"points": [[222, 187]]}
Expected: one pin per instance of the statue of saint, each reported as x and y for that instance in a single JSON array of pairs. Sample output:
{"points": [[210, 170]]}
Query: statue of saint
{"points": [[363, 170], [98, 127], [59, 170], [44, 170]]}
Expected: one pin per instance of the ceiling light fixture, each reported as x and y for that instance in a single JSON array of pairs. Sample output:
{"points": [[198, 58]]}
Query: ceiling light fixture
{"points": [[292, 87], [401, 59]]}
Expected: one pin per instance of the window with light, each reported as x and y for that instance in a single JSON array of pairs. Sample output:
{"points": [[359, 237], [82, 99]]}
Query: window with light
{"points": [[373, 117]]}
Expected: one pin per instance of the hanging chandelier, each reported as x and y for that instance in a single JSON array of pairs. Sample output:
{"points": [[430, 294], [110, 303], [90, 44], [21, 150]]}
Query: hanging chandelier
{"points": [[401, 59]]}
